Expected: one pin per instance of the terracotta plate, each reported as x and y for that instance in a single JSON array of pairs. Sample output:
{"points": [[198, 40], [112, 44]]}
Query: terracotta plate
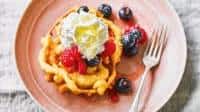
{"points": [[41, 15]]}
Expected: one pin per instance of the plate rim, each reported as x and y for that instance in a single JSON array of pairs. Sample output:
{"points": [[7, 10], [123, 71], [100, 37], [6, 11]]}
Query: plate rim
{"points": [[182, 71], [18, 72]]}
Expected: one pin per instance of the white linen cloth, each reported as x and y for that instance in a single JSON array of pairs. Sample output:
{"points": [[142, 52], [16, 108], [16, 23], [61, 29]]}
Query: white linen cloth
{"points": [[13, 97]]}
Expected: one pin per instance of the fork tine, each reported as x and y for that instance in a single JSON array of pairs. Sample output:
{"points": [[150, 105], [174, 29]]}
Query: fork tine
{"points": [[153, 42], [150, 41], [165, 40], [162, 42], [157, 44]]}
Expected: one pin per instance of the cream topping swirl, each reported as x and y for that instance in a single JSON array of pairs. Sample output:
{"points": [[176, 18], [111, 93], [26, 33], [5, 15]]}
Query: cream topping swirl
{"points": [[86, 31]]}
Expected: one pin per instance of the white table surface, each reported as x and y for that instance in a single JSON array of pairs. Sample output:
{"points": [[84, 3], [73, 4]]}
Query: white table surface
{"points": [[13, 98]]}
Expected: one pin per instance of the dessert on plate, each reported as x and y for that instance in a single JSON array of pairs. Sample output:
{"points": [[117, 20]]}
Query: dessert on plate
{"points": [[81, 51]]}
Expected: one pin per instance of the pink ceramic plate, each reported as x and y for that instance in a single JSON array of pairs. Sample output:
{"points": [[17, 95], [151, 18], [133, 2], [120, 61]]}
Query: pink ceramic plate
{"points": [[41, 15]]}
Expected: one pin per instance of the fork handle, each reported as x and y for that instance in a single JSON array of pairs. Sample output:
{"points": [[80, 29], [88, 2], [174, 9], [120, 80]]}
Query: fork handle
{"points": [[136, 101]]}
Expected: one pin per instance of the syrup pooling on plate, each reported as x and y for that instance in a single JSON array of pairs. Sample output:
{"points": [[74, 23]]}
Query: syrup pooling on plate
{"points": [[87, 46]]}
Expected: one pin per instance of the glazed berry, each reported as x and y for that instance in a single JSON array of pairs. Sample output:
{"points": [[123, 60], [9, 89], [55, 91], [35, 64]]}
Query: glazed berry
{"points": [[143, 37], [125, 13], [113, 96], [83, 8], [93, 62], [129, 42], [82, 67], [135, 33], [106, 10], [66, 58], [71, 59], [123, 85], [132, 51], [132, 38], [109, 48], [138, 32]]}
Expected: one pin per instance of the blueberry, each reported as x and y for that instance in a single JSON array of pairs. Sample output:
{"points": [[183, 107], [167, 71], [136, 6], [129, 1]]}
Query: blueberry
{"points": [[106, 10], [135, 33], [123, 85], [125, 13], [83, 8], [93, 62], [132, 51], [129, 40]]}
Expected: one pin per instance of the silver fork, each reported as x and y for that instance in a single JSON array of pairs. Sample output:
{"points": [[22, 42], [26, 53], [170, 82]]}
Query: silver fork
{"points": [[151, 58]]}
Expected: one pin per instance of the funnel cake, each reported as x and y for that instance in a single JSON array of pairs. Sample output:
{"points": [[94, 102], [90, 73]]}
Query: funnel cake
{"points": [[96, 80]]}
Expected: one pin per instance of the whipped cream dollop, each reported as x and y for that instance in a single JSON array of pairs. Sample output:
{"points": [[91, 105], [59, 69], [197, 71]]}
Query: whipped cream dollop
{"points": [[86, 31]]}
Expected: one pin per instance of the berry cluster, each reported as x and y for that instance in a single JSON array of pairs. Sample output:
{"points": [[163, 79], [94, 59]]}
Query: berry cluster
{"points": [[132, 37], [71, 59]]}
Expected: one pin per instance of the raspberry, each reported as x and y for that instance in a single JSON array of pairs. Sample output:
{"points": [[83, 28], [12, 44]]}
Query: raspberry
{"points": [[82, 68], [113, 96], [109, 48], [75, 53], [71, 59], [66, 59], [143, 38]]}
